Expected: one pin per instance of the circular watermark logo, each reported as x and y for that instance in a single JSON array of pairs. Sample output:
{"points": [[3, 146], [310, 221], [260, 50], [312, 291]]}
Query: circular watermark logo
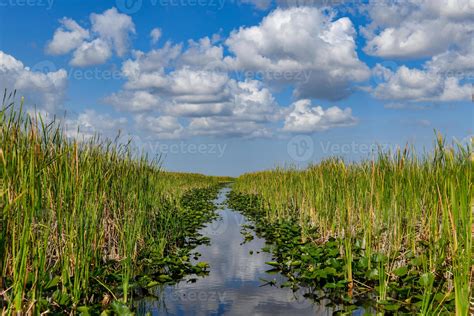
{"points": [[215, 71], [129, 6], [44, 66], [301, 148], [218, 227]]}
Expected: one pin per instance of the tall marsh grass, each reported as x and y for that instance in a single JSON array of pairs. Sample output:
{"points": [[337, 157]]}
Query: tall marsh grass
{"points": [[401, 205], [70, 208]]}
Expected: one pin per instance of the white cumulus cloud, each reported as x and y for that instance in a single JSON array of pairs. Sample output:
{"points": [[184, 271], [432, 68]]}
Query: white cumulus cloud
{"points": [[162, 127], [45, 90], [110, 31], [418, 28], [114, 27], [302, 40], [226, 127], [413, 84], [67, 37], [305, 118], [133, 101], [90, 123], [91, 53]]}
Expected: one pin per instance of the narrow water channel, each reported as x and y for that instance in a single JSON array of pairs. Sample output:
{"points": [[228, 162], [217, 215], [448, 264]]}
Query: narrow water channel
{"points": [[234, 285]]}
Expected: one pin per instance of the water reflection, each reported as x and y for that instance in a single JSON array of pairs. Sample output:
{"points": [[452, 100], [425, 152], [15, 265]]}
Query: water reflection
{"points": [[234, 285]]}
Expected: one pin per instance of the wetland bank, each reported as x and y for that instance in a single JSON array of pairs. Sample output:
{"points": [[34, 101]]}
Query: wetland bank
{"points": [[90, 228], [239, 157]]}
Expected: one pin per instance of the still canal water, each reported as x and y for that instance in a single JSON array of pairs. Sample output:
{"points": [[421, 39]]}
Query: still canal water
{"points": [[234, 285]]}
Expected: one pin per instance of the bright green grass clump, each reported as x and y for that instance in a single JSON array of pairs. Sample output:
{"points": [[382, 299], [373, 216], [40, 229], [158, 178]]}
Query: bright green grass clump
{"points": [[401, 206], [69, 208]]}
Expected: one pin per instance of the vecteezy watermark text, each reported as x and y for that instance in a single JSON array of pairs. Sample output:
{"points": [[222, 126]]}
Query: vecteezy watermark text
{"points": [[302, 76], [355, 148], [186, 148], [48, 4], [133, 6], [199, 296]]}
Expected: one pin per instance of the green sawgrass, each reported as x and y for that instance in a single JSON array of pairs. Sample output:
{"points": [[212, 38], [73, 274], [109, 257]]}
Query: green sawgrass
{"points": [[400, 204], [69, 208]]}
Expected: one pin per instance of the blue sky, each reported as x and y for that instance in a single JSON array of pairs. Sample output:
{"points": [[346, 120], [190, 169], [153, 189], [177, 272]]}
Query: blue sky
{"points": [[226, 87]]}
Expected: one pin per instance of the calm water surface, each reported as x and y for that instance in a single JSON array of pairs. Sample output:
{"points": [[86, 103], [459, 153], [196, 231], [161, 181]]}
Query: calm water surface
{"points": [[234, 285]]}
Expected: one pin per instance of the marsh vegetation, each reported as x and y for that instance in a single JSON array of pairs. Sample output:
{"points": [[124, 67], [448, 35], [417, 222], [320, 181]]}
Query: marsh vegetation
{"points": [[85, 224], [86, 227], [394, 230]]}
